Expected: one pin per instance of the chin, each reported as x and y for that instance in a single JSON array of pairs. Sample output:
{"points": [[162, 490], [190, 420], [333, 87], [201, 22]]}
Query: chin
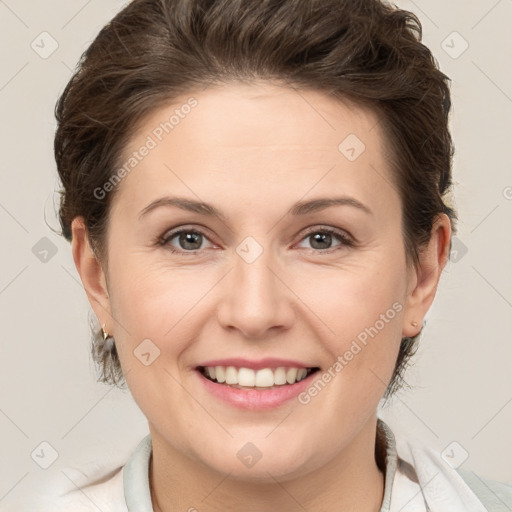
{"points": [[249, 464]]}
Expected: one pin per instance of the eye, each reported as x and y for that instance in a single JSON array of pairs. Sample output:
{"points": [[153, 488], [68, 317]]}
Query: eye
{"points": [[322, 239], [188, 240]]}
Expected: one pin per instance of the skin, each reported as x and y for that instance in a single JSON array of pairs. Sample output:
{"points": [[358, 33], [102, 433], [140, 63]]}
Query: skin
{"points": [[253, 151]]}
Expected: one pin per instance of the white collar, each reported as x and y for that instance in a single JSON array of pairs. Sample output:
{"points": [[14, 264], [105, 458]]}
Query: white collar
{"points": [[416, 478]]}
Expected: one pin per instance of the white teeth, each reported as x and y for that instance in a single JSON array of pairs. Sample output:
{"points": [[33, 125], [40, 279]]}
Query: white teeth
{"points": [[220, 373], [246, 377], [231, 375], [263, 378], [291, 375], [280, 376]]}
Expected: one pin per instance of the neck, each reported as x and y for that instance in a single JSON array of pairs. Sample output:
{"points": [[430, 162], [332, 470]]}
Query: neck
{"points": [[350, 481]]}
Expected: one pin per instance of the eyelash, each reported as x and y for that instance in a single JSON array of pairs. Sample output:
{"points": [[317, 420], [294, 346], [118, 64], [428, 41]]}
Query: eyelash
{"points": [[341, 236]]}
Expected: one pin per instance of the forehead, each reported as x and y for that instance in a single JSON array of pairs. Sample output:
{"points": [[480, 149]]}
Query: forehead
{"points": [[264, 113], [256, 138]]}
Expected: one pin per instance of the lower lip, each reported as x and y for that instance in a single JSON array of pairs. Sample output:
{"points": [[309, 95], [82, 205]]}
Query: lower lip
{"points": [[255, 399]]}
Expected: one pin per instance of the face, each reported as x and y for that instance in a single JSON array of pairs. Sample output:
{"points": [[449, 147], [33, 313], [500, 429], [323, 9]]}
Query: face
{"points": [[276, 279]]}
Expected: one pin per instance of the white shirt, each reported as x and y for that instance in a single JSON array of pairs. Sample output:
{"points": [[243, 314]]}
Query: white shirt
{"points": [[417, 479]]}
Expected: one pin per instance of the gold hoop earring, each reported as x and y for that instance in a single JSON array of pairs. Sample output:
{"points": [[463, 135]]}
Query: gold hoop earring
{"points": [[106, 335], [108, 340]]}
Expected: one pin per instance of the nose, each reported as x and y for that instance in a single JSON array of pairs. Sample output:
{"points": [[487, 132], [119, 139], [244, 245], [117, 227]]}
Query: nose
{"points": [[256, 299]]}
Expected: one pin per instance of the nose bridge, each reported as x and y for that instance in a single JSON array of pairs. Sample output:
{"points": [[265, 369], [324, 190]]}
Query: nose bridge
{"points": [[256, 300], [256, 280]]}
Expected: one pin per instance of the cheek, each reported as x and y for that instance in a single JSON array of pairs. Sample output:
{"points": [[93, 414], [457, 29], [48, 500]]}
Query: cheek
{"points": [[161, 303], [362, 308], [153, 298], [353, 297]]}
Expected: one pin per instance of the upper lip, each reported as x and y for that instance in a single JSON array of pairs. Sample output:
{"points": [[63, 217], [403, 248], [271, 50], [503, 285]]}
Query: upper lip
{"points": [[268, 362]]}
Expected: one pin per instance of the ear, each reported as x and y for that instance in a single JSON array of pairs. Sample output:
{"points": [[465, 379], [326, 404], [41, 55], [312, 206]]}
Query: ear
{"points": [[91, 273], [424, 277]]}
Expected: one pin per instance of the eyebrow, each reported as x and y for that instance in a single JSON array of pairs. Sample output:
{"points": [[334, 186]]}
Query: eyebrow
{"points": [[299, 208]]}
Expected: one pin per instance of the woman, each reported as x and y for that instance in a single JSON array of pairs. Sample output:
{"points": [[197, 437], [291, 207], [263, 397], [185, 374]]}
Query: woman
{"points": [[255, 192]]}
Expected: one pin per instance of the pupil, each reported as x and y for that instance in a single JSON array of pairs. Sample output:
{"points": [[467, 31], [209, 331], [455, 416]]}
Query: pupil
{"points": [[321, 238], [190, 238]]}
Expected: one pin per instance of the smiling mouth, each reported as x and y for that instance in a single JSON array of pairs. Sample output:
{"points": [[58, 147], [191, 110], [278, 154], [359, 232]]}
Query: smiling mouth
{"points": [[247, 378]]}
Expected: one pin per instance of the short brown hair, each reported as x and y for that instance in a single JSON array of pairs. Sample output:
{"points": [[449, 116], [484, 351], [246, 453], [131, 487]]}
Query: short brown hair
{"points": [[152, 51]]}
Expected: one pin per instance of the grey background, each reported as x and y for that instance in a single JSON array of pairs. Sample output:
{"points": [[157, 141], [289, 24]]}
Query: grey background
{"points": [[462, 374]]}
